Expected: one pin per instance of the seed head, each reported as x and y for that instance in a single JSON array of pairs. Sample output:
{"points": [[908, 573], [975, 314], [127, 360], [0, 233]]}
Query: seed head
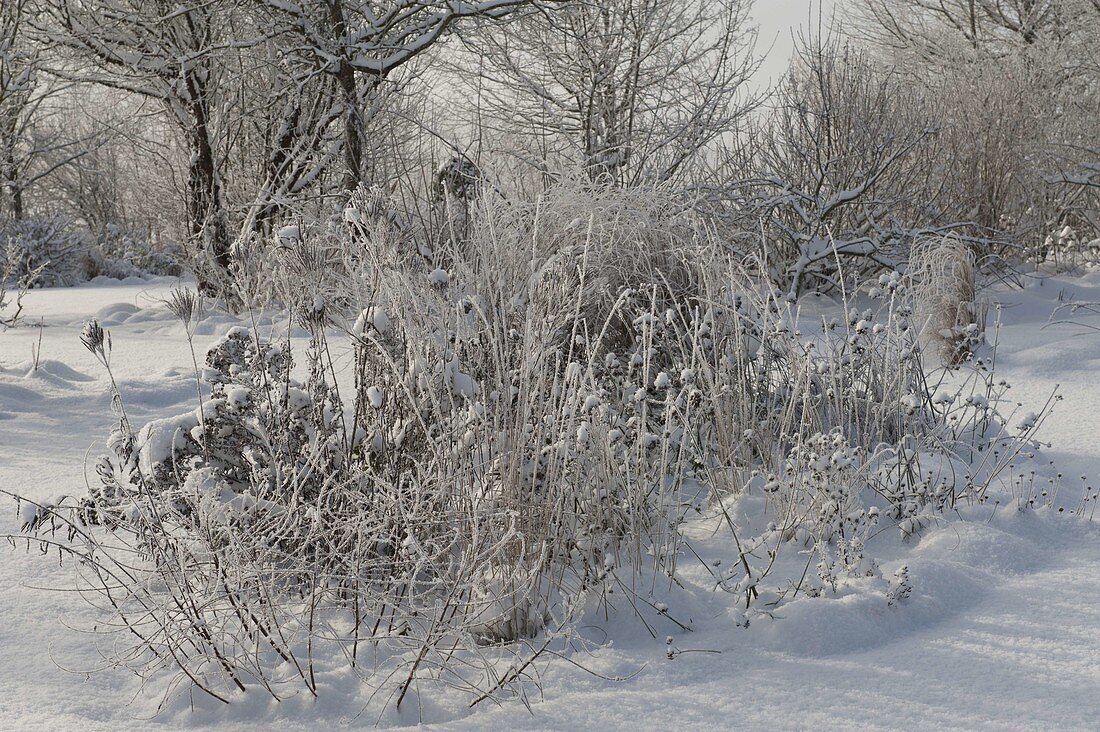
{"points": [[93, 337], [187, 305]]}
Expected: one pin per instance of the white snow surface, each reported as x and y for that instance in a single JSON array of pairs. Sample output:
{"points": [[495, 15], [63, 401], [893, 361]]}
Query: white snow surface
{"points": [[1002, 630]]}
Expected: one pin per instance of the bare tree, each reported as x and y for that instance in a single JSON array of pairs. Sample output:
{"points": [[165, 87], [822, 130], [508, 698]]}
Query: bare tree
{"points": [[163, 50], [842, 168], [358, 44], [29, 150], [17, 83], [289, 153], [936, 28], [635, 88], [1013, 86], [285, 142]]}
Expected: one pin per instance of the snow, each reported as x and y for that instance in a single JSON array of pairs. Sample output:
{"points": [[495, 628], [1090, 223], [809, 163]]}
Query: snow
{"points": [[289, 234], [1001, 629], [373, 316], [160, 438], [462, 384], [439, 277]]}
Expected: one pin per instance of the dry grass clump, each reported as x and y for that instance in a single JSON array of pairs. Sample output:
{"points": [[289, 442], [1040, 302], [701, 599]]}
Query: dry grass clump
{"points": [[536, 409], [945, 294]]}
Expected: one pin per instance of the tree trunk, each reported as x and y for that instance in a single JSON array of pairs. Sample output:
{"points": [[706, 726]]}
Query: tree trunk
{"points": [[11, 185], [281, 173], [349, 91], [353, 128], [207, 221]]}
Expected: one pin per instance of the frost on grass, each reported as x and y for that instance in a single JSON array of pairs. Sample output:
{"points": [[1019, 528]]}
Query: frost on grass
{"points": [[524, 452]]}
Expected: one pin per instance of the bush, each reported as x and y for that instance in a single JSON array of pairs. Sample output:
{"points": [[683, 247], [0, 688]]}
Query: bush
{"points": [[45, 245], [119, 253], [16, 278], [62, 256], [534, 415]]}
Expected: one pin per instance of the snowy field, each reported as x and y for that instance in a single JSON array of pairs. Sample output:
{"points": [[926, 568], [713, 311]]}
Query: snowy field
{"points": [[1002, 630]]}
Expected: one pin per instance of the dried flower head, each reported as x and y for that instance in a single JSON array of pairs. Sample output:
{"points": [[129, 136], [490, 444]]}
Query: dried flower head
{"points": [[313, 314], [187, 305], [93, 337]]}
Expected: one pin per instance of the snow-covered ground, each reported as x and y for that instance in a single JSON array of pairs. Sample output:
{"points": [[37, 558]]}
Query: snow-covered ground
{"points": [[1002, 630]]}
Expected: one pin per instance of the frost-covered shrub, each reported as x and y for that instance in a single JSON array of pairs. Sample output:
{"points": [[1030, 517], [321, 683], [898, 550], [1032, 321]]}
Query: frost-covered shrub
{"points": [[527, 429], [822, 484], [258, 431], [46, 245], [63, 256], [900, 588], [841, 424], [15, 280], [1066, 248], [119, 253], [494, 456]]}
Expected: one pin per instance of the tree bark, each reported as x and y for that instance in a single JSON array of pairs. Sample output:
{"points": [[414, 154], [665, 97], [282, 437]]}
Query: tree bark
{"points": [[353, 128], [9, 175], [205, 207], [12, 187]]}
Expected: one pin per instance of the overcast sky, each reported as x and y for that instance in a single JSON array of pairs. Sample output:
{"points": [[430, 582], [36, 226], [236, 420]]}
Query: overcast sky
{"points": [[778, 20]]}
